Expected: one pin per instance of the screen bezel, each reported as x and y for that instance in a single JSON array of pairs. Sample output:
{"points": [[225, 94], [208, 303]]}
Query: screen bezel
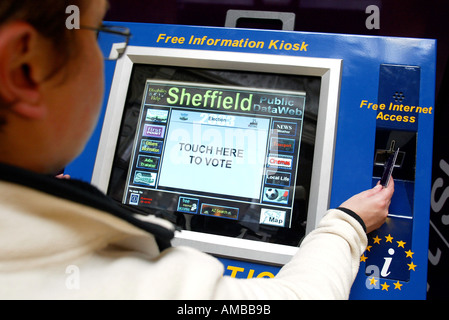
{"points": [[329, 70]]}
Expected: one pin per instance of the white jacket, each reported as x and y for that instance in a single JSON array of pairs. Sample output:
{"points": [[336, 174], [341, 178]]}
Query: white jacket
{"points": [[55, 248]]}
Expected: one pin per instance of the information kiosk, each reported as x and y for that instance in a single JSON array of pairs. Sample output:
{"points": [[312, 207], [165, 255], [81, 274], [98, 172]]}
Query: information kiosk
{"points": [[244, 138]]}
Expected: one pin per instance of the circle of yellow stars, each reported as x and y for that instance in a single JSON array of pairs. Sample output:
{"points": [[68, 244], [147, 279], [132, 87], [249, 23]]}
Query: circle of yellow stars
{"points": [[401, 244]]}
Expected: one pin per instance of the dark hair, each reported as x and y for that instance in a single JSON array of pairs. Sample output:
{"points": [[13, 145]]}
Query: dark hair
{"points": [[48, 17]]}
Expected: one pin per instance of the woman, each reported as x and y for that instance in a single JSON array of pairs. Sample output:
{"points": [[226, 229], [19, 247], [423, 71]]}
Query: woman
{"points": [[63, 239]]}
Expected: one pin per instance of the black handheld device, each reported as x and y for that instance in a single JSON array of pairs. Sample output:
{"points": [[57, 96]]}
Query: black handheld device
{"points": [[388, 169]]}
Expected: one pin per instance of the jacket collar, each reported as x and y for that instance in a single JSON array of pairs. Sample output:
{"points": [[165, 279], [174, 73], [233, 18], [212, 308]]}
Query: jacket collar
{"points": [[85, 194]]}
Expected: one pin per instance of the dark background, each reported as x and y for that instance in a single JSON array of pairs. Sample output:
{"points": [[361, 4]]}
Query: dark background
{"points": [[398, 18]]}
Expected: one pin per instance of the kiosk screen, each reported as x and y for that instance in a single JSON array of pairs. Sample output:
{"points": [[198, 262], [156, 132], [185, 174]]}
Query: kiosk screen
{"points": [[219, 159]]}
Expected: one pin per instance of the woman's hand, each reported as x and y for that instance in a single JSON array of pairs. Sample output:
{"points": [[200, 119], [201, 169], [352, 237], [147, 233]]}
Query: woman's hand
{"points": [[372, 205]]}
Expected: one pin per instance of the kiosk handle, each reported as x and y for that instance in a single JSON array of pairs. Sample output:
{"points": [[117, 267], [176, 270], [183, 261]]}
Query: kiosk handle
{"points": [[287, 18]]}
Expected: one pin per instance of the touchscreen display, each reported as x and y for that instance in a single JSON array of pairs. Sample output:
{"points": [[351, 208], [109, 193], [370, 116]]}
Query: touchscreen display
{"points": [[224, 159], [218, 151]]}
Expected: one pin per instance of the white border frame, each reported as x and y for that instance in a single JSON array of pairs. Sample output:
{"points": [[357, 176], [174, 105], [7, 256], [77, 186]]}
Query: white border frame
{"points": [[330, 72]]}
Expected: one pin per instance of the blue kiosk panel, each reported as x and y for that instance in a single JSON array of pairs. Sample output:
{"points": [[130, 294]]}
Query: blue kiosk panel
{"points": [[386, 101]]}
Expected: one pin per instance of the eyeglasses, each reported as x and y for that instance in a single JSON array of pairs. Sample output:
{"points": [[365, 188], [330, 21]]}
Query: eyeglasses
{"points": [[113, 40]]}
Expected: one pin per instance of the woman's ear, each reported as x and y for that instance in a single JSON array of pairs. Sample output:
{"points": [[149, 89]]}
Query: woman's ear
{"points": [[21, 69]]}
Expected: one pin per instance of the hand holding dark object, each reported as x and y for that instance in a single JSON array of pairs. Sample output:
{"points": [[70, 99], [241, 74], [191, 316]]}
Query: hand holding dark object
{"points": [[372, 205]]}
